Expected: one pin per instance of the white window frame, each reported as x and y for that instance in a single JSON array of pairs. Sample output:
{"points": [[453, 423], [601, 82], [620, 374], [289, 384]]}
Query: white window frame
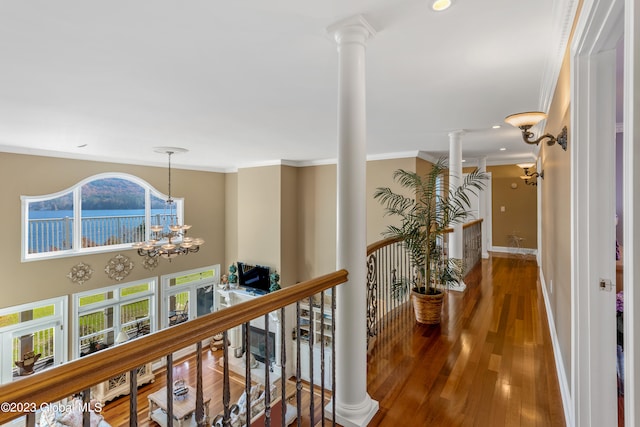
{"points": [[76, 247], [7, 333], [169, 291], [115, 303]]}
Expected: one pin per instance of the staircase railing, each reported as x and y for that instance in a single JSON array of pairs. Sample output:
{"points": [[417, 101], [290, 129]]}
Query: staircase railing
{"points": [[31, 393], [391, 274], [472, 241]]}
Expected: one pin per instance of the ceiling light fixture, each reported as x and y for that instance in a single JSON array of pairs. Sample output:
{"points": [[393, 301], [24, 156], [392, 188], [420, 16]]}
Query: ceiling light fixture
{"points": [[168, 238], [530, 178], [440, 5], [524, 121]]}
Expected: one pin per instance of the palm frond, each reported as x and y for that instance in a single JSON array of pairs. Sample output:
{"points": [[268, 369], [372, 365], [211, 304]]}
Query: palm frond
{"points": [[432, 208]]}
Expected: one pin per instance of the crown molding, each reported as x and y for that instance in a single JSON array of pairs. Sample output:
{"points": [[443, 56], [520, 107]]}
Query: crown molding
{"points": [[102, 159], [563, 15]]}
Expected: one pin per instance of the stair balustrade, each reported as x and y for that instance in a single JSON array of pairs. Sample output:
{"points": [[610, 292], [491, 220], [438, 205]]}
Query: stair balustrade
{"points": [[76, 377]]}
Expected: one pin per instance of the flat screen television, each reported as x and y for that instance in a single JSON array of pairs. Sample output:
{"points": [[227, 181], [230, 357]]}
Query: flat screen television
{"points": [[254, 277]]}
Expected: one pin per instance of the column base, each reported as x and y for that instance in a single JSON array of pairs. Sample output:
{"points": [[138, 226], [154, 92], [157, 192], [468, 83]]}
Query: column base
{"points": [[353, 416], [458, 287]]}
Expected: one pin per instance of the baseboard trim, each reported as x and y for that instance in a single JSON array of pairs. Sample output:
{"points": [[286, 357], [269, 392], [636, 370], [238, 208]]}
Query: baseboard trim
{"points": [[565, 391], [509, 250]]}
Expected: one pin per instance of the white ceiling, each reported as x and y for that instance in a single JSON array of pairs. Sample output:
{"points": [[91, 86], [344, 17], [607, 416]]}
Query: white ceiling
{"points": [[250, 82]]}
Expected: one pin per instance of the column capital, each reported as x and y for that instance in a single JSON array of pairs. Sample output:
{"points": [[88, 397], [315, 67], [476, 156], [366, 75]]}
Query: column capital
{"points": [[355, 29], [457, 133]]}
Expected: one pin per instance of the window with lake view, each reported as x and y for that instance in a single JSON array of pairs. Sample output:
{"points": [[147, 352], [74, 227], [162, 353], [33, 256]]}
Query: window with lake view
{"points": [[101, 213]]}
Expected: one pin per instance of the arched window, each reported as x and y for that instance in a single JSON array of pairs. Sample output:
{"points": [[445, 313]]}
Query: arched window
{"points": [[102, 213]]}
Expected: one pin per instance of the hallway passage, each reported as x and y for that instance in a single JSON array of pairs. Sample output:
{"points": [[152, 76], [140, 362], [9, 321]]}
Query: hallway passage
{"points": [[489, 363]]}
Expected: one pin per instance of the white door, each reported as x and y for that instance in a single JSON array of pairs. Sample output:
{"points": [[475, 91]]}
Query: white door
{"points": [[593, 108]]}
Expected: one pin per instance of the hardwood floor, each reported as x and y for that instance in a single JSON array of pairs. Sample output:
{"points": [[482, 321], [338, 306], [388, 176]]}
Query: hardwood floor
{"points": [[489, 363]]}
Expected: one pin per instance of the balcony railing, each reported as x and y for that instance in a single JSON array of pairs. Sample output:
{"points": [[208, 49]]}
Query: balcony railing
{"points": [[56, 234], [391, 275], [472, 241], [78, 376]]}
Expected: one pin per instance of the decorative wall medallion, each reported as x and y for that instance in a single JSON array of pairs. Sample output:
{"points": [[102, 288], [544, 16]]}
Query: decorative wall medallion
{"points": [[118, 267], [80, 273], [149, 262]]}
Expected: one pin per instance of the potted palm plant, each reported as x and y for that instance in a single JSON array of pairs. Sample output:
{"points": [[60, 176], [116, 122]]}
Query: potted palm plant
{"points": [[424, 216]]}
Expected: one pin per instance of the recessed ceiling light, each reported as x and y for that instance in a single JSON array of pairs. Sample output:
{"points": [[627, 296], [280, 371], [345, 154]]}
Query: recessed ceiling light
{"points": [[463, 161], [496, 126], [440, 5], [503, 149], [82, 145]]}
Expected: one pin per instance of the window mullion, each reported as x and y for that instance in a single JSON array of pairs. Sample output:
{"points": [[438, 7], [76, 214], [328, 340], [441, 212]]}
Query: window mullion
{"points": [[77, 219]]}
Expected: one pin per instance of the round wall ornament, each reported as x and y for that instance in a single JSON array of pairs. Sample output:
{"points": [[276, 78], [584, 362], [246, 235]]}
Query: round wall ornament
{"points": [[80, 273], [118, 267], [149, 262]]}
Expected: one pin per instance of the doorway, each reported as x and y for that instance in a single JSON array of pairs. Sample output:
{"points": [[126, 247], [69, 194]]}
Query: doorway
{"points": [[594, 388]]}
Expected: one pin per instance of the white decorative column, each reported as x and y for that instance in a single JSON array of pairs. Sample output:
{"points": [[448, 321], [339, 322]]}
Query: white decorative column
{"points": [[354, 407], [456, 249], [484, 207]]}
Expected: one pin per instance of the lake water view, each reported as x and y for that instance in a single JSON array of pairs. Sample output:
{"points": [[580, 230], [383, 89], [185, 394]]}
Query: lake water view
{"points": [[53, 229]]}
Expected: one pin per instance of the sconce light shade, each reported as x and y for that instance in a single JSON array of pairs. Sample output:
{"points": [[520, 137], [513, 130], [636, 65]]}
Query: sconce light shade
{"points": [[524, 121], [528, 177], [530, 118], [526, 165]]}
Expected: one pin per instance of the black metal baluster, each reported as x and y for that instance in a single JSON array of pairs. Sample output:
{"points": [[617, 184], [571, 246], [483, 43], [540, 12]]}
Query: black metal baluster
{"points": [[170, 390], [267, 369], [298, 369], [247, 369], [31, 419], [226, 393], [133, 397], [333, 354], [200, 416], [322, 385], [283, 364], [311, 340], [86, 414]]}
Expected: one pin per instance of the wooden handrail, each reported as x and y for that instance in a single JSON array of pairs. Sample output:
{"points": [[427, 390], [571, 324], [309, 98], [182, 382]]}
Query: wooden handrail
{"points": [[390, 240], [381, 244], [61, 381], [471, 223]]}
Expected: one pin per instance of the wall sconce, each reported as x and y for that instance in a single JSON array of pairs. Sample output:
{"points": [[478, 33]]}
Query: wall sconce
{"points": [[524, 121], [530, 177]]}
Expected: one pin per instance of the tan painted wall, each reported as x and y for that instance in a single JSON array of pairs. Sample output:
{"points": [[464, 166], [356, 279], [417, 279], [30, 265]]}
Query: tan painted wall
{"points": [[380, 174], [520, 207], [231, 220], [316, 221], [317, 212], [35, 175], [556, 217], [289, 226], [259, 197]]}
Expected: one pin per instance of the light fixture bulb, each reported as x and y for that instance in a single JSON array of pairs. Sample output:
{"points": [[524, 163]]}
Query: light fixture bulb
{"points": [[440, 5]]}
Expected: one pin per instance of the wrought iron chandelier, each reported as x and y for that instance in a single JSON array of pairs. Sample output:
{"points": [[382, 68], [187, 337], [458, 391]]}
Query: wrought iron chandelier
{"points": [[169, 239]]}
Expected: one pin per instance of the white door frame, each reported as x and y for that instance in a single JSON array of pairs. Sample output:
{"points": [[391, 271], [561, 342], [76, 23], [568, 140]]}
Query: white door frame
{"points": [[592, 149], [631, 160]]}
